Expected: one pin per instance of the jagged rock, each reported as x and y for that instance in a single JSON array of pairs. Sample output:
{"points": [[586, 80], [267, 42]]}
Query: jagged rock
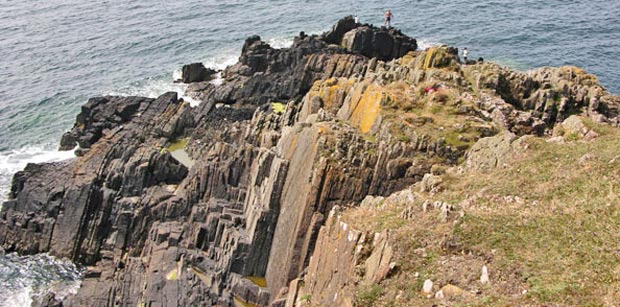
{"points": [[549, 95], [255, 201], [382, 44], [196, 72], [337, 260], [341, 27]]}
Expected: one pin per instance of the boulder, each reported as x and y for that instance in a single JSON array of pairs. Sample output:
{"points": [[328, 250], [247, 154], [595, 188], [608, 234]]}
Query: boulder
{"points": [[573, 128], [341, 27], [430, 183], [196, 72], [492, 152], [379, 43]]}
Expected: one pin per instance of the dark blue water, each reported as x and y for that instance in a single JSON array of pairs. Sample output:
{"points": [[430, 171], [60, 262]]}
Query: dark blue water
{"points": [[54, 54]]}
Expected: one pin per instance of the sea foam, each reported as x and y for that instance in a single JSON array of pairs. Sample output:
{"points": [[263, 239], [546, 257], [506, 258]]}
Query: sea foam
{"points": [[15, 160], [24, 279]]}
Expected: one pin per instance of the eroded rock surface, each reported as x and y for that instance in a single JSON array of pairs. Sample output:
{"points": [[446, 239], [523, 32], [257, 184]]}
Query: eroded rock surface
{"points": [[360, 119]]}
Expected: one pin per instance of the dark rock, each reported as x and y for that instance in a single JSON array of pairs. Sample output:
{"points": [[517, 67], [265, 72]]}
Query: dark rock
{"points": [[341, 27], [378, 43], [68, 141], [161, 234], [196, 72]]}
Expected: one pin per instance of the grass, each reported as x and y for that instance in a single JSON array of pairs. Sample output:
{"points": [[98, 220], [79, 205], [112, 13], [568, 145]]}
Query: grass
{"points": [[367, 296], [546, 226], [306, 298]]}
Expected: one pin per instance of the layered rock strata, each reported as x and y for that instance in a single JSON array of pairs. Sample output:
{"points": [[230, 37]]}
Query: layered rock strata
{"points": [[362, 117]]}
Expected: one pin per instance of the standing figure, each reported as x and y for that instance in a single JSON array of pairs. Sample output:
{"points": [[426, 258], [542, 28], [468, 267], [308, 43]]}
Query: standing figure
{"points": [[388, 19], [465, 54]]}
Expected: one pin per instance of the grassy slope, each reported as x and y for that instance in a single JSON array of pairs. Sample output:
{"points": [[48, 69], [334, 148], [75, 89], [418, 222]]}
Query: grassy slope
{"points": [[547, 227]]}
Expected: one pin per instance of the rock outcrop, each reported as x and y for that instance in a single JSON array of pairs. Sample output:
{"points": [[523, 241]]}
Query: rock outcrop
{"points": [[196, 72], [365, 114]]}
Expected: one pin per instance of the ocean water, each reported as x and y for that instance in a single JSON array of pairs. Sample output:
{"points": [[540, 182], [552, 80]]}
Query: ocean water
{"points": [[54, 54]]}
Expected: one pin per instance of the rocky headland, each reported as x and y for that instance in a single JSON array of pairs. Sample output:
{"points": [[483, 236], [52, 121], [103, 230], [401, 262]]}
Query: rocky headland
{"points": [[350, 169]]}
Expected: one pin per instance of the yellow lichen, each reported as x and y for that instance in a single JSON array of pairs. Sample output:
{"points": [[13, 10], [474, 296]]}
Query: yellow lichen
{"points": [[172, 275], [429, 58], [242, 303], [407, 59], [278, 107], [368, 108], [259, 281], [203, 277], [178, 144]]}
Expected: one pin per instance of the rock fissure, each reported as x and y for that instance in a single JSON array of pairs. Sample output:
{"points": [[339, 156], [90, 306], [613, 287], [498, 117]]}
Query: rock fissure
{"points": [[365, 113]]}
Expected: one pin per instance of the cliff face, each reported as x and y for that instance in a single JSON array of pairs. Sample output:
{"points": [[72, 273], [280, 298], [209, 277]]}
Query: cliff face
{"points": [[241, 216]]}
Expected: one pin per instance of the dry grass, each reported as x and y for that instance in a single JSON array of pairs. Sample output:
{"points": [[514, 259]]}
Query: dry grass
{"points": [[546, 226]]}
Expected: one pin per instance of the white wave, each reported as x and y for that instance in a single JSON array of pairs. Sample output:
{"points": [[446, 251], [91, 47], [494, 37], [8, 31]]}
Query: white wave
{"points": [[423, 44], [25, 279], [15, 160], [280, 43], [221, 62], [155, 87], [217, 80], [177, 75], [18, 298]]}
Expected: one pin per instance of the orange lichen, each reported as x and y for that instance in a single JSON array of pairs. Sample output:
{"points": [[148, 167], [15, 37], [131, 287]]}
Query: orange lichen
{"points": [[367, 109]]}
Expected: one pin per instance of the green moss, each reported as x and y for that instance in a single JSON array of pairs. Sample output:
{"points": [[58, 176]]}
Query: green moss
{"points": [[306, 298], [177, 144]]}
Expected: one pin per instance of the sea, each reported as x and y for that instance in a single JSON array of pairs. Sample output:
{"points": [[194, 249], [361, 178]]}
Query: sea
{"points": [[55, 54]]}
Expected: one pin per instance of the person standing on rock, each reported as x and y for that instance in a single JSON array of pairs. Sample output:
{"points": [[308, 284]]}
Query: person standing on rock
{"points": [[465, 54], [388, 19]]}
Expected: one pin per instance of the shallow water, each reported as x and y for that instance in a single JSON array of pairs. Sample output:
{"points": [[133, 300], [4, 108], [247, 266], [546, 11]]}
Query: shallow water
{"points": [[55, 54]]}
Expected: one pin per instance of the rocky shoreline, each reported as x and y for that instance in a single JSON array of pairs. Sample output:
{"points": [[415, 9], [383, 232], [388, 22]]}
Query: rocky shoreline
{"points": [[291, 137]]}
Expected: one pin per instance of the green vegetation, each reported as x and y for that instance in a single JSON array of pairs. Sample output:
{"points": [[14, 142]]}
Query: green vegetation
{"points": [[306, 298], [546, 226], [367, 296], [177, 144]]}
